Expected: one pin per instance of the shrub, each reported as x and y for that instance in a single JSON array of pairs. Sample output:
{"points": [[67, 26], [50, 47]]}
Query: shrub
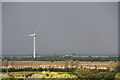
{"points": [[109, 75], [92, 75], [100, 75], [82, 72]]}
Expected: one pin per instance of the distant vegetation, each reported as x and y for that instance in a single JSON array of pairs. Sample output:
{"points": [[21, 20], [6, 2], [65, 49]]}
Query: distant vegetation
{"points": [[65, 74], [57, 58]]}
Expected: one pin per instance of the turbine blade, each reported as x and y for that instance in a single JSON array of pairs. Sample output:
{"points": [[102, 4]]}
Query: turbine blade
{"points": [[36, 29], [30, 35]]}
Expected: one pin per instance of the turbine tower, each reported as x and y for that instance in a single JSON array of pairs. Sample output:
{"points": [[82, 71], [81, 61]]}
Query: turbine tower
{"points": [[34, 39]]}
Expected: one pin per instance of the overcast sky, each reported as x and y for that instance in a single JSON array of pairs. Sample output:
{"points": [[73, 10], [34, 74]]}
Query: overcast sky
{"points": [[65, 28]]}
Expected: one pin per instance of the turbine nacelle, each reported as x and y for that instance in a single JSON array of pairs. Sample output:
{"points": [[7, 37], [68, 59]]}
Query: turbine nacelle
{"points": [[32, 35]]}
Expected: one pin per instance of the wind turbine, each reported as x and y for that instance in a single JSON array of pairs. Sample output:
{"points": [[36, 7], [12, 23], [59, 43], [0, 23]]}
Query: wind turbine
{"points": [[34, 39]]}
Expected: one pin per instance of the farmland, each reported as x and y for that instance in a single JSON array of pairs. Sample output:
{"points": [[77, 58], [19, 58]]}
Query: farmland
{"points": [[38, 75], [64, 69], [77, 74], [58, 64]]}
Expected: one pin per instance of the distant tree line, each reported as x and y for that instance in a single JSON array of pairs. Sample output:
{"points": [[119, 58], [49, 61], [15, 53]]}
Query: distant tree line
{"points": [[38, 69], [58, 58]]}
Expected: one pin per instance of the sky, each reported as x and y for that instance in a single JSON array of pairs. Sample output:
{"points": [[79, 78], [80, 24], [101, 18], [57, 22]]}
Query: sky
{"points": [[84, 28]]}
